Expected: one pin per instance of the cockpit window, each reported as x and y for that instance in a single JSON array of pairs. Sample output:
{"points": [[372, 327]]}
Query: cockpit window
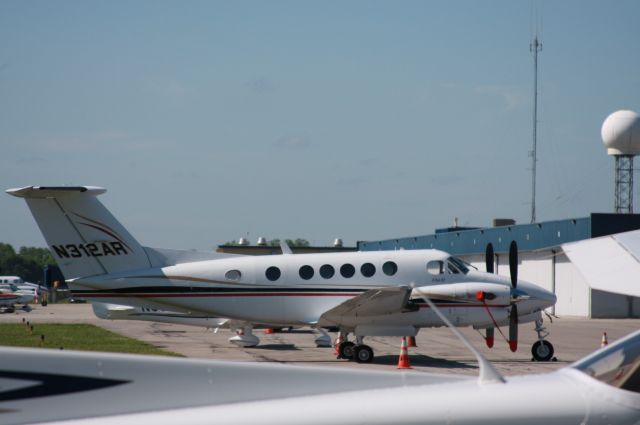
{"points": [[435, 267], [618, 365], [458, 265]]}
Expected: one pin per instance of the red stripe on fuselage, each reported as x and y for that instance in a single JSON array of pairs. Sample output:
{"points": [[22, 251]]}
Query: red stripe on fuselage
{"points": [[461, 305], [119, 295]]}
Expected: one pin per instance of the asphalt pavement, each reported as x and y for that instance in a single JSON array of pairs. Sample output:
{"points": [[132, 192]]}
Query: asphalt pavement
{"points": [[438, 350]]}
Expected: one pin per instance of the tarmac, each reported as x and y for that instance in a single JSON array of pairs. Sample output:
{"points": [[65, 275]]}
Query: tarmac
{"points": [[438, 350]]}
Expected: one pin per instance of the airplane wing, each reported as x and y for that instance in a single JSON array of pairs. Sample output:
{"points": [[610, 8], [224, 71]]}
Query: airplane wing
{"points": [[609, 263], [41, 385], [374, 302]]}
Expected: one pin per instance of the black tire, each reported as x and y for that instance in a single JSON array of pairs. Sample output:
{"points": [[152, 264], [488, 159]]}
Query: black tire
{"points": [[363, 354], [542, 351], [346, 350]]}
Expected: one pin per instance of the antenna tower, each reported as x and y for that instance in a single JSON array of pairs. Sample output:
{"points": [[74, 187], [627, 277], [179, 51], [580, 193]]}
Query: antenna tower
{"points": [[534, 47]]}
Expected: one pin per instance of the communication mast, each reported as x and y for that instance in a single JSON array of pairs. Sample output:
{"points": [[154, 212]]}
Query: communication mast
{"points": [[534, 47]]}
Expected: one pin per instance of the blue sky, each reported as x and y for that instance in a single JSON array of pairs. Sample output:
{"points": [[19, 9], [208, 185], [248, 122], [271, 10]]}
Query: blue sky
{"points": [[209, 121]]}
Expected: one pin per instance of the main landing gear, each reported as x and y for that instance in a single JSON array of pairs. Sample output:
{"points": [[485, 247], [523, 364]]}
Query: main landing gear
{"points": [[245, 337], [355, 351], [542, 350], [324, 339]]}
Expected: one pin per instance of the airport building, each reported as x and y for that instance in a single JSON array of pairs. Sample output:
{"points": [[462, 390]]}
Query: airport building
{"points": [[541, 258]]}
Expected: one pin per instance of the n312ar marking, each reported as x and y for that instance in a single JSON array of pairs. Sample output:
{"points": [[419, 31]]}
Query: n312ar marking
{"points": [[99, 249]]}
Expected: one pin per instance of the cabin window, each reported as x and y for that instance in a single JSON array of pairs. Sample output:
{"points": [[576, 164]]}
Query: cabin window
{"points": [[272, 273], [389, 268], [327, 271], [368, 270], [435, 267], [234, 275], [306, 272], [347, 270]]}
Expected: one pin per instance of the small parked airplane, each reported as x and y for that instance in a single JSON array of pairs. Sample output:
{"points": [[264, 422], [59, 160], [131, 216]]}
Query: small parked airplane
{"points": [[13, 290], [365, 293], [107, 389]]}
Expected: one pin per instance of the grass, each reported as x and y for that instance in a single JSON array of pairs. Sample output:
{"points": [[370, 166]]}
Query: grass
{"points": [[74, 337]]}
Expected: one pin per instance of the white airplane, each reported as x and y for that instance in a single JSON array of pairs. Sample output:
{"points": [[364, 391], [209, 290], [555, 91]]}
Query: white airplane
{"points": [[364, 293], [13, 290], [12, 282], [108, 389]]}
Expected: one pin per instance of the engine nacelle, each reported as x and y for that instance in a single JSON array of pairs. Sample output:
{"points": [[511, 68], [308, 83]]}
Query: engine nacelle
{"points": [[489, 293]]}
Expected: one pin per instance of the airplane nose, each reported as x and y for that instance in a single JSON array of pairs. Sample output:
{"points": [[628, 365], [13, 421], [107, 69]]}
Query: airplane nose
{"points": [[543, 297], [548, 297]]}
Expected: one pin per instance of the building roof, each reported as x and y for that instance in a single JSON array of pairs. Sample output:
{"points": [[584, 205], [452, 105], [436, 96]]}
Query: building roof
{"points": [[276, 250], [529, 237]]}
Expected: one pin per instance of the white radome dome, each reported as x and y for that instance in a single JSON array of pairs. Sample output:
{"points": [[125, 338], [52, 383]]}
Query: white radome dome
{"points": [[621, 133]]}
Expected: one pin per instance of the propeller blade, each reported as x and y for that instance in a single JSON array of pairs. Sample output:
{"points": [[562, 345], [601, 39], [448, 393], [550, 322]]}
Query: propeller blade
{"points": [[489, 338], [513, 328], [513, 263], [488, 258]]}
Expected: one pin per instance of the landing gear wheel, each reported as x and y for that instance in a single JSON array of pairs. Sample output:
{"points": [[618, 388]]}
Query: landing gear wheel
{"points": [[542, 351], [346, 350], [363, 354]]}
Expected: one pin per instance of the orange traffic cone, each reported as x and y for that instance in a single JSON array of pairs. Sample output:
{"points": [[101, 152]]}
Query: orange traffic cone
{"points": [[268, 331], [411, 342], [403, 361], [605, 342], [337, 344]]}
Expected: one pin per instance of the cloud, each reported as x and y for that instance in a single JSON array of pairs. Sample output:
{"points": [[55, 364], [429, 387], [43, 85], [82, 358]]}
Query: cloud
{"points": [[260, 85], [509, 95], [447, 181], [169, 88], [32, 160], [103, 142], [353, 181], [292, 142]]}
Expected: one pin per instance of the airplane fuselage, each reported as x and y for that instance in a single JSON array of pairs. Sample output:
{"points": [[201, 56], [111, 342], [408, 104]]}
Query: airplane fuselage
{"points": [[298, 289]]}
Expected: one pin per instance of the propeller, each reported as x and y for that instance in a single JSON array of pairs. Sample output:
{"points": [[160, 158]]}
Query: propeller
{"points": [[489, 261], [513, 316], [516, 295], [513, 263], [488, 258]]}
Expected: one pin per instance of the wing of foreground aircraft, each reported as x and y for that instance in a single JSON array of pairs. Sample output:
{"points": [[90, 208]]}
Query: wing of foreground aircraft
{"points": [[41, 386]]}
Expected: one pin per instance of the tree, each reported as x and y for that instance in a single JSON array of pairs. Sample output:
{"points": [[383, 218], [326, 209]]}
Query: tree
{"points": [[28, 263], [292, 243]]}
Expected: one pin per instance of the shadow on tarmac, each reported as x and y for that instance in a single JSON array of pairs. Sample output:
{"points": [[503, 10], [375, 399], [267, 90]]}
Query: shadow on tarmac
{"points": [[422, 360], [277, 347]]}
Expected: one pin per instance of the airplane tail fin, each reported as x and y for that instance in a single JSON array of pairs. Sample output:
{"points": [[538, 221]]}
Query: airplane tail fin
{"points": [[83, 236]]}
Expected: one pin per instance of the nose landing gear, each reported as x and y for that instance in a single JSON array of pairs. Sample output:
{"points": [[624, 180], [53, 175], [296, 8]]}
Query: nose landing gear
{"points": [[542, 350]]}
